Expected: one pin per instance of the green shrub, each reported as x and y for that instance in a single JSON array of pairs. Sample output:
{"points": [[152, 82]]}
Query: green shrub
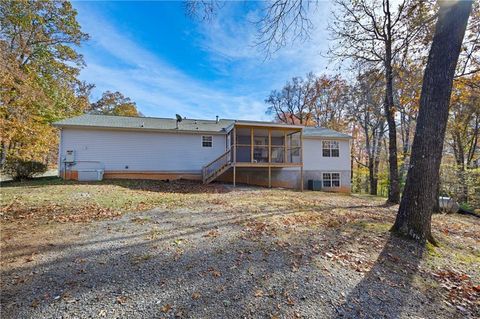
{"points": [[20, 169]]}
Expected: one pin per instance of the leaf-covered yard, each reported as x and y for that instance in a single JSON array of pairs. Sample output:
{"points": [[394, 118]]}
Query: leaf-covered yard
{"points": [[180, 249]]}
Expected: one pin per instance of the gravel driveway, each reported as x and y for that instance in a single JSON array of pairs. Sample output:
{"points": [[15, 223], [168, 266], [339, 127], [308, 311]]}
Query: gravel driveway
{"points": [[207, 262]]}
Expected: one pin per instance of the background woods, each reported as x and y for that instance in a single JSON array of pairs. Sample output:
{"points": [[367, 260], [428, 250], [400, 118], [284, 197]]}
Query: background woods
{"points": [[386, 47], [39, 83]]}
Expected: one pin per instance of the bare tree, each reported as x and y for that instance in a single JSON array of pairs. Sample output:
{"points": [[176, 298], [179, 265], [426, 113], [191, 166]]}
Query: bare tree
{"points": [[313, 101], [330, 102], [202, 9], [469, 59], [284, 21], [414, 215], [294, 103]]}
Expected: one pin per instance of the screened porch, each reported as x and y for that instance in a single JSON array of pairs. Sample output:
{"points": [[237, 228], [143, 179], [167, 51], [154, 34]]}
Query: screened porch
{"points": [[266, 146]]}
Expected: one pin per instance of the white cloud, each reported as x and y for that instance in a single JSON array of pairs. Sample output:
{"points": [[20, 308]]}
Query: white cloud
{"points": [[230, 39], [161, 89]]}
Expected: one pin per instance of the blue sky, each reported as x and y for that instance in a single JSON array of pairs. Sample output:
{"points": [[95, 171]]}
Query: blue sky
{"points": [[169, 63]]}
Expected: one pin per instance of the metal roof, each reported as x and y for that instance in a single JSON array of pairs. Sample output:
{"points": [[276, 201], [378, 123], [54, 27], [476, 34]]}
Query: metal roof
{"points": [[186, 125]]}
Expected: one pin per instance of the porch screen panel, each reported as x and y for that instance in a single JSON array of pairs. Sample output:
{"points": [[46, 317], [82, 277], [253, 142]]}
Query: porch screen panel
{"points": [[293, 148], [260, 145]]}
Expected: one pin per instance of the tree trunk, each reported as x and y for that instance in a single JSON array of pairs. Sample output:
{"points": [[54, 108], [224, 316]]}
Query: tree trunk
{"points": [[394, 185], [415, 212], [372, 177], [436, 203], [462, 191]]}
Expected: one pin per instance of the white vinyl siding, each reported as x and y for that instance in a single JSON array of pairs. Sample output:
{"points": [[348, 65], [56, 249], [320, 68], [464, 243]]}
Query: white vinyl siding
{"points": [[141, 151], [313, 158]]}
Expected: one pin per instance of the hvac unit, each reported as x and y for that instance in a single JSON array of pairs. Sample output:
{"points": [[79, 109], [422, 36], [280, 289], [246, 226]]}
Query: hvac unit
{"points": [[314, 185]]}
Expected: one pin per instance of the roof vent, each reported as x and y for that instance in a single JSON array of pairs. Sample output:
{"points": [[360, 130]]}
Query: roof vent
{"points": [[216, 119]]}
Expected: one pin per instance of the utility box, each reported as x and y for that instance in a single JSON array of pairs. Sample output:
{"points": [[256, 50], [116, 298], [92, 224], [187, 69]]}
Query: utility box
{"points": [[314, 185], [69, 156], [87, 175]]}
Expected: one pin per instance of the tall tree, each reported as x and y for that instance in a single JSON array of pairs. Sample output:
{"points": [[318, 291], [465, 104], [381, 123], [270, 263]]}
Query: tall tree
{"points": [[415, 211], [379, 33], [366, 112], [463, 130], [294, 102], [311, 101], [407, 96], [38, 74], [331, 102], [114, 103]]}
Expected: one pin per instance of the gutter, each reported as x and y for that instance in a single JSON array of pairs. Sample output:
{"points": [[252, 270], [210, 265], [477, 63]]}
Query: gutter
{"points": [[139, 129]]}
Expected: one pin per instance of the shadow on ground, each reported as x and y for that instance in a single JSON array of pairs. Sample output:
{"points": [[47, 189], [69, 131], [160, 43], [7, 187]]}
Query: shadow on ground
{"points": [[395, 267]]}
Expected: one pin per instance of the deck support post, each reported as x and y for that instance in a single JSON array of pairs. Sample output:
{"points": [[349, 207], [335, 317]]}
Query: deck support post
{"points": [[301, 160], [301, 178], [234, 155], [251, 145], [234, 174], [269, 177]]}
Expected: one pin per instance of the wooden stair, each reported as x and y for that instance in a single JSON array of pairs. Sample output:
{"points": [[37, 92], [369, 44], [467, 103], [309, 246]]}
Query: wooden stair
{"points": [[216, 167]]}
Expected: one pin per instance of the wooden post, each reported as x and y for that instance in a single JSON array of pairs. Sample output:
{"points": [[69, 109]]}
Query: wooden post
{"points": [[269, 176], [251, 145], [301, 178], [234, 155], [234, 174], [284, 146], [269, 145], [301, 160], [269, 157]]}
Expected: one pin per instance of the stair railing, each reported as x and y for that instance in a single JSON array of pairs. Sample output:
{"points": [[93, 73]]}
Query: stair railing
{"points": [[216, 165]]}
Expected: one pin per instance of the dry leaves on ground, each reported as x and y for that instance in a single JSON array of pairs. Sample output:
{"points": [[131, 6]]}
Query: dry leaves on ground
{"points": [[59, 213], [460, 288]]}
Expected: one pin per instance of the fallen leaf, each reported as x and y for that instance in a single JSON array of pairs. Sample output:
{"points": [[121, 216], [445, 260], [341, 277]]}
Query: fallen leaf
{"points": [[166, 308], [290, 301], [196, 296], [122, 300]]}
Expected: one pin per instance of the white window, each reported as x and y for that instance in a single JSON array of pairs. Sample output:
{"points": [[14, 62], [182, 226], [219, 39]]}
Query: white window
{"points": [[331, 180], [207, 141], [330, 149]]}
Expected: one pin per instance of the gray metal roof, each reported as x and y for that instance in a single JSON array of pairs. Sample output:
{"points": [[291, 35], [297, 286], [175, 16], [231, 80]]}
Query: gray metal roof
{"points": [[323, 132], [187, 125], [152, 123]]}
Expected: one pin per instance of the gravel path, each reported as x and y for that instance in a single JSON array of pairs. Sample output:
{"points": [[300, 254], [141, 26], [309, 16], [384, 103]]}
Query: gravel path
{"points": [[204, 263]]}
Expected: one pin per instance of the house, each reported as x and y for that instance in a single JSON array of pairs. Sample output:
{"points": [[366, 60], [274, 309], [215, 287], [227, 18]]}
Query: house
{"points": [[236, 151]]}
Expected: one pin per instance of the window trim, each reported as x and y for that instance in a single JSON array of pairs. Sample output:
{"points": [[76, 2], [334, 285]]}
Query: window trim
{"points": [[330, 148], [207, 139], [331, 180]]}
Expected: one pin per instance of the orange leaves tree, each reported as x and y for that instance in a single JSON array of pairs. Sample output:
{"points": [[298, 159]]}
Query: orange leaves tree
{"points": [[38, 75]]}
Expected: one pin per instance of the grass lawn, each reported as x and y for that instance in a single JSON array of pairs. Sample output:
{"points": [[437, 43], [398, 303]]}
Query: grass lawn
{"points": [[210, 249]]}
